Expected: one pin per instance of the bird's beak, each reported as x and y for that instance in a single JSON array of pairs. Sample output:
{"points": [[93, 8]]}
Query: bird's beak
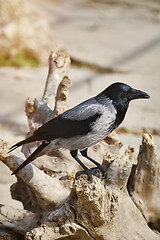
{"points": [[135, 94]]}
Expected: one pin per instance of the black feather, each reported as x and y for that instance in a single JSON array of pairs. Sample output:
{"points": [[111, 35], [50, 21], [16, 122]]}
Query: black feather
{"points": [[27, 140], [65, 128], [59, 128], [34, 155]]}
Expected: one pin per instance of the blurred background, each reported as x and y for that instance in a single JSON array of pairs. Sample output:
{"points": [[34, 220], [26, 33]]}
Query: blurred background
{"points": [[107, 40]]}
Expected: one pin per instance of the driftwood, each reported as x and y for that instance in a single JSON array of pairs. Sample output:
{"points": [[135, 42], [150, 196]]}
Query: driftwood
{"points": [[58, 206], [145, 182]]}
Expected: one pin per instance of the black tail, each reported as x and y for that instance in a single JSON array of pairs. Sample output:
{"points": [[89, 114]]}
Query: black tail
{"points": [[27, 140], [33, 156]]}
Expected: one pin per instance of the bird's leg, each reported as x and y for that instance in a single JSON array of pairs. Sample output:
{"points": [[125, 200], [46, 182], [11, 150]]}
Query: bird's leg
{"points": [[84, 154], [86, 170]]}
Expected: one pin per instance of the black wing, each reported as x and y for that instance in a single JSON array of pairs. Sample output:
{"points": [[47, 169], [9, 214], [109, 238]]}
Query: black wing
{"points": [[74, 122], [59, 128], [65, 128]]}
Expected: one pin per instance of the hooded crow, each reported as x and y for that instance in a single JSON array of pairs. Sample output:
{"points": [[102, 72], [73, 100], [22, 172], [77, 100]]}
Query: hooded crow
{"points": [[83, 125]]}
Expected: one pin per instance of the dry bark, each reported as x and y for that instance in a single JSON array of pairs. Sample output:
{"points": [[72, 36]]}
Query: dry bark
{"points": [[145, 183], [62, 207]]}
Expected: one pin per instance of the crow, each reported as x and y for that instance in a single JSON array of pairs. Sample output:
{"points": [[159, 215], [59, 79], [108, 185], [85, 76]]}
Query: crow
{"points": [[83, 125]]}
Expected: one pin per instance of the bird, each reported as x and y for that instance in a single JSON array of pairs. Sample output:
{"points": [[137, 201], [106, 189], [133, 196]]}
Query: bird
{"points": [[83, 125]]}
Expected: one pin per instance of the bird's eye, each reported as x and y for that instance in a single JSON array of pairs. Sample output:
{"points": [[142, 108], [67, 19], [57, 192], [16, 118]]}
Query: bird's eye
{"points": [[128, 91]]}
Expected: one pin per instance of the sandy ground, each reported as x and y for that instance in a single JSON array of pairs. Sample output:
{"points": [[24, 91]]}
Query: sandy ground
{"points": [[125, 37]]}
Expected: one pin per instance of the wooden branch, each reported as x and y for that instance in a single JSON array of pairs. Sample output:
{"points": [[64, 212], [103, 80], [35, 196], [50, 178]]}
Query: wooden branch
{"points": [[18, 220], [40, 183], [118, 168], [96, 211], [145, 184], [58, 68], [61, 97], [38, 112], [53, 102]]}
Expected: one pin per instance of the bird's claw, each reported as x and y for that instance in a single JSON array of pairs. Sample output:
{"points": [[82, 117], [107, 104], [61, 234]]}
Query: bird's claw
{"points": [[88, 173], [97, 171], [102, 170]]}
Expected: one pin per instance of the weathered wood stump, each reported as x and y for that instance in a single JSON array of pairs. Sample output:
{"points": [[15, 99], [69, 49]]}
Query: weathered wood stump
{"points": [[58, 206]]}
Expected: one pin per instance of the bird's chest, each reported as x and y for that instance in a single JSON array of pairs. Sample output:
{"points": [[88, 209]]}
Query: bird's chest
{"points": [[105, 124]]}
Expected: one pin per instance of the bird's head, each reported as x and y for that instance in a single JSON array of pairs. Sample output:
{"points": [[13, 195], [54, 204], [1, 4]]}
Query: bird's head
{"points": [[121, 93]]}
